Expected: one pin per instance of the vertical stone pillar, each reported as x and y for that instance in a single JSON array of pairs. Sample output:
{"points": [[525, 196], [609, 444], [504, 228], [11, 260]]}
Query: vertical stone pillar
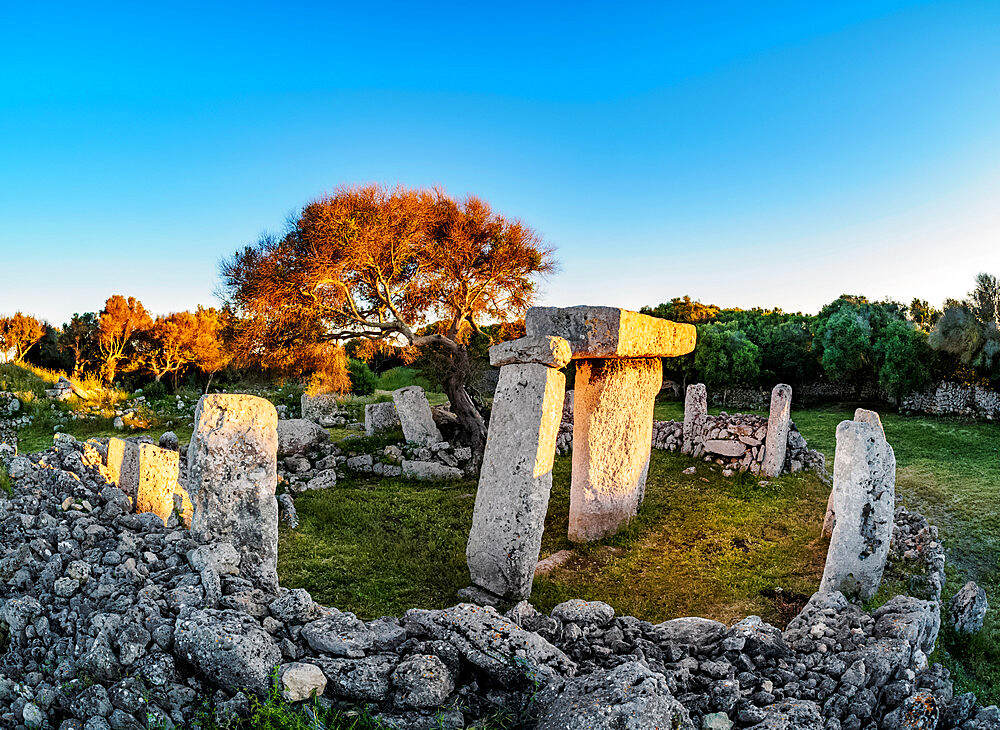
{"points": [[695, 410], [865, 416], [863, 500], [778, 423], [415, 415], [516, 475], [123, 466], [232, 475], [159, 470], [612, 438]]}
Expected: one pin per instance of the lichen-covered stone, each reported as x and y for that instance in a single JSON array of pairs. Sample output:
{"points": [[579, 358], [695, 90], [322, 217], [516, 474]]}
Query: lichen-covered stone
{"points": [[380, 417], [515, 479], [415, 416], [778, 424], [553, 352], [232, 476]]}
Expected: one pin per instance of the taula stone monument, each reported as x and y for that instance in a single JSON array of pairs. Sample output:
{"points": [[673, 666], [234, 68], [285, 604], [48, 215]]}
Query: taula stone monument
{"points": [[617, 380], [232, 476], [861, 507]]}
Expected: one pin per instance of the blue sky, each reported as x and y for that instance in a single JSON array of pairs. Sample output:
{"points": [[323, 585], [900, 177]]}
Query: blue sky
{"points": [[772, 154]]}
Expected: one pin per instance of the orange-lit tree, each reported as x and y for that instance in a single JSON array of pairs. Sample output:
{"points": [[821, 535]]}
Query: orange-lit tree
{"points": [[18, 334], [208, 352], [118, 326], [378, 264], [78, 339]]}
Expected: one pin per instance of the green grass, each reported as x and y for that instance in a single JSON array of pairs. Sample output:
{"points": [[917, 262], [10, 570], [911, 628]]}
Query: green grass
{"points": [[400, 377]]}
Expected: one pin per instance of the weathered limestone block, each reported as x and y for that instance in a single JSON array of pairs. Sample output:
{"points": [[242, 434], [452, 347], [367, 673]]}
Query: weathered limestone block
{"points": [[695, 411], [321, 408], [123, 466], [778, 423], [612, 437], [415, 415], [429, 470], [865, 416], [380, 417], [864, 479], [232, 475], [725, 447], [609, 332], [159, 470], [515, 479], [554, 352]]}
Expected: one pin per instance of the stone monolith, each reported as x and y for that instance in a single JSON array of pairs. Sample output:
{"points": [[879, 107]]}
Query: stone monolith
{"points": [[863, 500], [159, 470], [865, 416], [612, 438], [123, 466], [695, 410], [415, 415], [516, 475], [778, 424], [232, 475]]}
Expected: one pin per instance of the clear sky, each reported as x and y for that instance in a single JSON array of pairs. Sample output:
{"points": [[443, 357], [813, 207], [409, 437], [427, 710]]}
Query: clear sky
{"points": [[745, 153]]}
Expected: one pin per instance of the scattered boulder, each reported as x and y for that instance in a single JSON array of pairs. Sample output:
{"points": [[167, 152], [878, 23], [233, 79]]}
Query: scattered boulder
{"points": [[968, 609], [298, 435]]}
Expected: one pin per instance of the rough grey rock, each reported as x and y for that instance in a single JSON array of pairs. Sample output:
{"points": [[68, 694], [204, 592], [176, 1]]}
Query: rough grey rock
{"points": [[429, 470], [584, 612], [339, 634], [553, 352], [299, 435], [422, 681], [778, 425], [415, 415], [629, 697], [227, 647], [967, 609], [380, 417], [232, 476]]}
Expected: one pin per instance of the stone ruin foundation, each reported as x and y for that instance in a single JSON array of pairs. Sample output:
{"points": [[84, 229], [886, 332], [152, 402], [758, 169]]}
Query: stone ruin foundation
{"points": [[115, 620]]}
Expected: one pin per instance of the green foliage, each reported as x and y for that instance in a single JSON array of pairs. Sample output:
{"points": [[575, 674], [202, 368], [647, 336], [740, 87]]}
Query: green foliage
{"points": [[400, 377], [682, 309], [363, 380], [902, 351], [846, 339], [154, 390], [725, 355], [5, 485]]}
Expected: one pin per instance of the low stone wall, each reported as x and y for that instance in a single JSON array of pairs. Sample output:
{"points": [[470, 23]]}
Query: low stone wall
{"points": [[155, 620], [733, 441], [954, 399]]}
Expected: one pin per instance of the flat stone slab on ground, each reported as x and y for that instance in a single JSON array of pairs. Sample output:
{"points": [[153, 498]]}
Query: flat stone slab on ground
{"points": [[725, 447], [611, 332]]}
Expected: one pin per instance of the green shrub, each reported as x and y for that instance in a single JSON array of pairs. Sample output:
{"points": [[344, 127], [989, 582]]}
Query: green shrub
{"points": [[363, 380], [155, 390], [396, 378]]}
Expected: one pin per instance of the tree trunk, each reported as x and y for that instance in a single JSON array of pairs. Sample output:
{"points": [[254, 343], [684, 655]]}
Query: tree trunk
{"points": [[470, 420]]}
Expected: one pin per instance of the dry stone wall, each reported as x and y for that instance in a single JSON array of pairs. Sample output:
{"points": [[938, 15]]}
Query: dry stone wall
{"points": [[954, 399]]}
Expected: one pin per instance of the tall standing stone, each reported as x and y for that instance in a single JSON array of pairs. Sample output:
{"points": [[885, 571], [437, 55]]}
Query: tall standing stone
{"points": [[415, 415], [778, 424], [516, 475], [865, 416], [232, 475], [612, 438], [863, 500], [695, 411], [159, 470], [617, 379], [123, 466]]}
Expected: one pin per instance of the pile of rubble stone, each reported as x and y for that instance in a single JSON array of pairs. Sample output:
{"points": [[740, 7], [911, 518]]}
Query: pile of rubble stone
{"points": [[117, 620]]}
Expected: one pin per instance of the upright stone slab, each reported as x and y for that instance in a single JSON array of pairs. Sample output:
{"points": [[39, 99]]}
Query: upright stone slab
{"points": [[778, 424], [232, 475], [695, 410], [865, 416], [415, 415], [864, 479], [516, 475], [612, 438], [380, 417], [123, 466], [159, 470]]}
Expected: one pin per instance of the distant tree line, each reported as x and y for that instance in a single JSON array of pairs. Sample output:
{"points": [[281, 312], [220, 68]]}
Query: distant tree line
{"points": [[852, 340]]}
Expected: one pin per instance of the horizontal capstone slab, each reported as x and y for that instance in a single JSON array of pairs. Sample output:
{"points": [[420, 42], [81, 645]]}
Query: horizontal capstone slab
{"points": [[610, 332], [554, 352]]}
